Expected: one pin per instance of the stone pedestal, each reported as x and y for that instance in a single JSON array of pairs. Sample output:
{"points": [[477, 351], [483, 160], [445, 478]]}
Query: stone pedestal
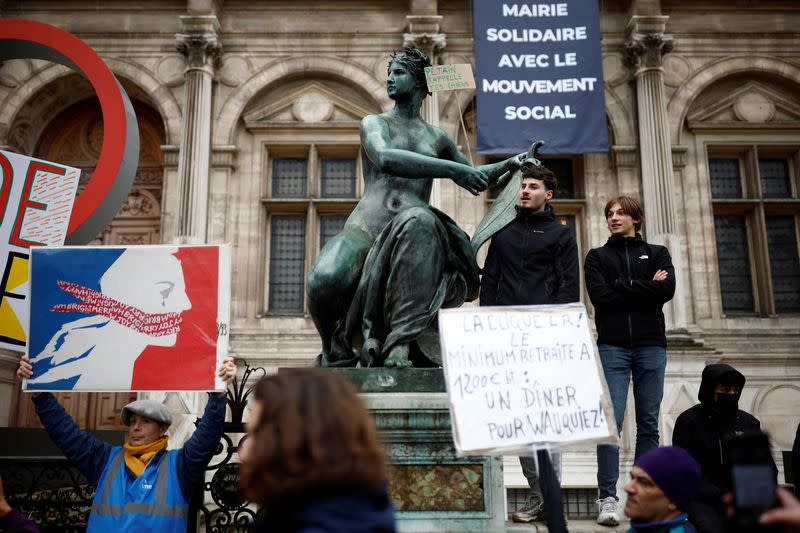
{"points": [[433, 489]]}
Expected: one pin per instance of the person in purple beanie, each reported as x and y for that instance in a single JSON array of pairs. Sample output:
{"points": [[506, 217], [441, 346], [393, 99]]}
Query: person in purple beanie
{"points": [[663, 482]]}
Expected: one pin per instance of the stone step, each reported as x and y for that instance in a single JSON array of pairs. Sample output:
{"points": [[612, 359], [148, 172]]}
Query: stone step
{"points": [[574, 526]]}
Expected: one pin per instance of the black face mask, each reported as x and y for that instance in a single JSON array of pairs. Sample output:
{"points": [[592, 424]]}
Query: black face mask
{"points": [[727, 405]]}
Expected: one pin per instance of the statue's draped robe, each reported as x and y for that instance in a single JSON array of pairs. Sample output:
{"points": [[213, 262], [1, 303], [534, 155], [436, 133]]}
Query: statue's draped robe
{"points": [[421, 262]]}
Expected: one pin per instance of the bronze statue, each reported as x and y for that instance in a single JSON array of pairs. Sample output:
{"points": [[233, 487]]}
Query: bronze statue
{"points": [[376, 287]]}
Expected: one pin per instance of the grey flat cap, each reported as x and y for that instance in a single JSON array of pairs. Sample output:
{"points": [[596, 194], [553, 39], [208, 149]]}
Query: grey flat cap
{"points": [[151, 409]]}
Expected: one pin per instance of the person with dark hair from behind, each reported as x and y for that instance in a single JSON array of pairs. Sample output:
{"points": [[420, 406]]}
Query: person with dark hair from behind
{"points": [[663, 482], [13, 520], [629, 281], [704, 431], [311, 460], [533, 261]]}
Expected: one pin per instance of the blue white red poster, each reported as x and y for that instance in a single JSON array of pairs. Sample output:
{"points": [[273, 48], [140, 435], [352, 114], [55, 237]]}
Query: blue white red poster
{"points": [[539, 76], [36, 199], [128, 318]]}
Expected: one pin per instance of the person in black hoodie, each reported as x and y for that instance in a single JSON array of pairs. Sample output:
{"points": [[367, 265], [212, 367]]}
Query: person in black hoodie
{"points": [[629, 280], [705, 431], [533, 261], [311, 460]]}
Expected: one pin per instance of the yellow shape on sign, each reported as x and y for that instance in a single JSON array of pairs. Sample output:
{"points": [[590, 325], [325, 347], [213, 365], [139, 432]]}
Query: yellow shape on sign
{"points": [[10, 326], [18, 274]]}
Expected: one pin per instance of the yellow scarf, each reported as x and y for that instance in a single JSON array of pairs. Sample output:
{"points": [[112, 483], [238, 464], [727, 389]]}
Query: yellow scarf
{"points": [[136, 457]]}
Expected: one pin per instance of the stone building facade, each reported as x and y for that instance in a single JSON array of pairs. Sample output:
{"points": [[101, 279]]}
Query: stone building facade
{"points": [[249, 114]]}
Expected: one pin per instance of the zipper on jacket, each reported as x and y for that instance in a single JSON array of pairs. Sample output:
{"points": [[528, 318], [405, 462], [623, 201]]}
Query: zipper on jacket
{"points": [[522, 256], [630, 281]]}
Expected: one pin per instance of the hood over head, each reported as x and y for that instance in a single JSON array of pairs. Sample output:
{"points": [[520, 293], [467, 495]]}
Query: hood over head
{"points": [[718, 373]]}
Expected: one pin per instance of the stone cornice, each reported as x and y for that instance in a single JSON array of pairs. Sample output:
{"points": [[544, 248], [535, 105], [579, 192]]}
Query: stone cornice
{"points": [[224, 156], [170, 152], [625, 156], [199, 41], [647, 50], [679, 156], [647, 44], [430, 43]]}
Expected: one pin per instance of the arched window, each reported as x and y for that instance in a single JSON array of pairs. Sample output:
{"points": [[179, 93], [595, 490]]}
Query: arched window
{"points": [[306, 139], [748, 127]]}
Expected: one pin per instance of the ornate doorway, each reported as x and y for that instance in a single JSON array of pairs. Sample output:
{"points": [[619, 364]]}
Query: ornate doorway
{"points": [[74, 137]]}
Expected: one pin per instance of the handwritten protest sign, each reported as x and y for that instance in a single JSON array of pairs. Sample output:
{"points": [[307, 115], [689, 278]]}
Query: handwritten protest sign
{"points": [[36, 199], [449, 77], [128, 318], [519, 376]]}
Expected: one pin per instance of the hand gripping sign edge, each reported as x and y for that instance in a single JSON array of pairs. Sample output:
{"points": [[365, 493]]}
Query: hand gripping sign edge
{"points": [[116, 167]]}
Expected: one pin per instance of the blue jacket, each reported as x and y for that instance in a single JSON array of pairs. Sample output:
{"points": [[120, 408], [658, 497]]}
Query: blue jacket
{"points": [[358, 511], [679, 524], [165, 485]]}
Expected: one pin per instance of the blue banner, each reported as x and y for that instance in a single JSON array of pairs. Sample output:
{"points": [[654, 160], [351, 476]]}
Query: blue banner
{"points": [[539, 76]]}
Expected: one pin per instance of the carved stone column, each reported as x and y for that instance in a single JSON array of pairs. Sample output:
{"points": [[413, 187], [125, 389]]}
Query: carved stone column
{"points": [[201, 46], [646, 46], [423, 33]]}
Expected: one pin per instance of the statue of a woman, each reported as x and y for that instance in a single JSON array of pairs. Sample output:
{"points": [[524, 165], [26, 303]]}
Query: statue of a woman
{"points": [[376, 286]]}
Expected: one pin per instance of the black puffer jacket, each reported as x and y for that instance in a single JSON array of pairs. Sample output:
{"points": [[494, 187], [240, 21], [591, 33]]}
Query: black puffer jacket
{"points": [[704, 433], [627, 302], [531, 261]]}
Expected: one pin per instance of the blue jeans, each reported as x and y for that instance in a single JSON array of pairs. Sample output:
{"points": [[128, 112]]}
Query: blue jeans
{"points": [[647, 364]]}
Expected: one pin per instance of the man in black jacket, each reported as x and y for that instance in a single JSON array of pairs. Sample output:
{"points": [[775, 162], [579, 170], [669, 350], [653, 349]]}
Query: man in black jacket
{"points": [[705, 431], [629, 280], [532, 261]]}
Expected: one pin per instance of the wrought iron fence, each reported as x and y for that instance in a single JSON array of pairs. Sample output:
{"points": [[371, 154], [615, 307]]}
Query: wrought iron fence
{"points": [[220, 503], [50, 491]]}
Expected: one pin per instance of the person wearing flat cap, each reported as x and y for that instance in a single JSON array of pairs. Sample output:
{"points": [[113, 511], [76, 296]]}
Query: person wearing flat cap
{"points": [[141, 485], [663, 482]]}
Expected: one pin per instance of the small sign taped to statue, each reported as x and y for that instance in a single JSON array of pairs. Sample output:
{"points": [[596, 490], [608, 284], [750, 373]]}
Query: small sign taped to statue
{"points": [[523, 376], [449, 77]]}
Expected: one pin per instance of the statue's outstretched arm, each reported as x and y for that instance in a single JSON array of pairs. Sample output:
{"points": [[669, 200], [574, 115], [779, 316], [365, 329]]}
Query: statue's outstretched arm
{"points": [[497, 171], [388, 159]]}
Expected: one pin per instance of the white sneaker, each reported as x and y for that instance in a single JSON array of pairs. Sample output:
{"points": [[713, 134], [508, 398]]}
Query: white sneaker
{"points": [[609, 511]]}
